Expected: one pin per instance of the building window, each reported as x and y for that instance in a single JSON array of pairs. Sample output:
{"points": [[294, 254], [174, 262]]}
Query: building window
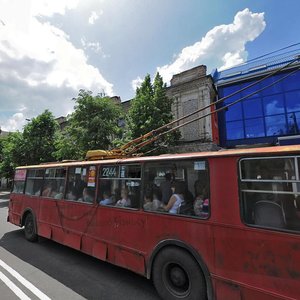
{"points": [[252, 108], [235, 130], [276, 125], [292, 82], [273, 105], [265, 115], [254, 128], [293, 101]]}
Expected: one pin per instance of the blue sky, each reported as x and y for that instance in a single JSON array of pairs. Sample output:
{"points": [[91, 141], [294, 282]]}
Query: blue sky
{"points": [[49, 49]]}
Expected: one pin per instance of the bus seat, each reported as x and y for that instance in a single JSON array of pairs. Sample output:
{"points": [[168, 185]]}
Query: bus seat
{"points": [[268, 213]]}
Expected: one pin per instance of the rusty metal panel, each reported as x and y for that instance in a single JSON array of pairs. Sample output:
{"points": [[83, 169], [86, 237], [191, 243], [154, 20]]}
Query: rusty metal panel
{"points": [[129, 260], [72, 240], [44, 230], [100, 250], [262, 259], [227, 291]]}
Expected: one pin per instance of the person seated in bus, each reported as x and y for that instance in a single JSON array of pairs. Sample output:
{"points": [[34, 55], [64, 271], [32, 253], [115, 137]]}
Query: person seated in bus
{"points": [[47, 190], [187, 207], [201, 204], [175, 201], [107, 199], [60, 193], [148, 200], [151, 200], [88, 195], [125, 200], [71, 195]]}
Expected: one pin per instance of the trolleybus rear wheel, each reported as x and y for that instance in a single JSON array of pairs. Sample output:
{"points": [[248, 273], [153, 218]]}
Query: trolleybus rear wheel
{"points": [[177, 275]]}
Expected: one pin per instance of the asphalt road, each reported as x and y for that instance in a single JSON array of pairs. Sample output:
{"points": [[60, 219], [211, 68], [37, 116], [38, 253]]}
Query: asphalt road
{"points": [[47, 270]]}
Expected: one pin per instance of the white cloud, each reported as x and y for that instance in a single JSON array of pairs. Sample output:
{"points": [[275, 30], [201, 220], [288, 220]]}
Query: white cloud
{"points": [[93, 46], [136, 83], [94, 17], [50, 7], [38, 57], [222, 47], [16, 122]]}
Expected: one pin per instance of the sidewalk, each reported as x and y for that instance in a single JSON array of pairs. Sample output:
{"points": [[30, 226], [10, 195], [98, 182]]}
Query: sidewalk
{"points": [[4, 194]]}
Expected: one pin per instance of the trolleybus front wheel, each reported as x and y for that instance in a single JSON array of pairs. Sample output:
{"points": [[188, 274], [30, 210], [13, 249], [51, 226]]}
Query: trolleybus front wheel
{"points": [[30, 228], [177, 275]]}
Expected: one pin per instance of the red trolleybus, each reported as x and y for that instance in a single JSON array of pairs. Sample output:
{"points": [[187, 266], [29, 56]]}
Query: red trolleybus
{"points": [[230, 229]]}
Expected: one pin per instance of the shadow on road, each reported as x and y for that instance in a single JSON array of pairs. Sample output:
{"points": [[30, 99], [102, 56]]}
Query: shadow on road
{"points": [[87, 276]]}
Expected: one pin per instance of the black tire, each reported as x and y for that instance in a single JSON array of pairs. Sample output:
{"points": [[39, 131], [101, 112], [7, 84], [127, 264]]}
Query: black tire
{"points": [[177, 275], [30, 228]]}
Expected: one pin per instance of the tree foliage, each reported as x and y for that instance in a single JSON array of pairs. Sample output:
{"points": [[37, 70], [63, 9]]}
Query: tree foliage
{"points": [[151, 109], [92, 125], [35, 145], [12, 154], [38, 139]]}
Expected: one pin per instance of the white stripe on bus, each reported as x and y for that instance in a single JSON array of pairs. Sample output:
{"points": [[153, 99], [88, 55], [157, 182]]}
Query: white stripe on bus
{"points": [[24, 281]]}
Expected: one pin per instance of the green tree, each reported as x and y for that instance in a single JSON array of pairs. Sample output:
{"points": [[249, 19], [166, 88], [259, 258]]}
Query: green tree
{"points": [[151, 109], [12, 154], [93, 125], [39, 137]]}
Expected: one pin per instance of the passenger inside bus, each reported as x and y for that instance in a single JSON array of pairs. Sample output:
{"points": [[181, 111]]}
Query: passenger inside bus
{"points": [[151, 200], [88, 195], [125, 200], [148, 200], [71, 195], [47, 190], [60, 193], [201, 204], [106, 199], [175, 201]]}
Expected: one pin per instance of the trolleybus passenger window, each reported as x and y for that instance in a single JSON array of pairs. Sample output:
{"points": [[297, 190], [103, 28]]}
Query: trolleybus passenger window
{"points": [[34, 181], [19, 181], [81, 184], [54, 184], [120, 185], [180, 187], [269, 192]]}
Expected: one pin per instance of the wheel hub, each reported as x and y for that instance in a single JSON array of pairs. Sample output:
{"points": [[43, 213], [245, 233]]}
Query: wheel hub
{"points": [[178, 276]]}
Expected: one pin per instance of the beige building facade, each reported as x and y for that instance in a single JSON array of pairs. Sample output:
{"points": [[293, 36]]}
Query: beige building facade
{"points": [[192, 90]]}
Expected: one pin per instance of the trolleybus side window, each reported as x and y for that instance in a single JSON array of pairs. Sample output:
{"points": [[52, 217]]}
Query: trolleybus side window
{"points": [[19, 181], [270, 192], [54, 184], [81, 185], [34, 181], [120, 185], [178, 187]]}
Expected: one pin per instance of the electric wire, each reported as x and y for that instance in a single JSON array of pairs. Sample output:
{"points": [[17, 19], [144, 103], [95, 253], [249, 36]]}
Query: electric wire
{"points": [[154, 138], [126, 147]]}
